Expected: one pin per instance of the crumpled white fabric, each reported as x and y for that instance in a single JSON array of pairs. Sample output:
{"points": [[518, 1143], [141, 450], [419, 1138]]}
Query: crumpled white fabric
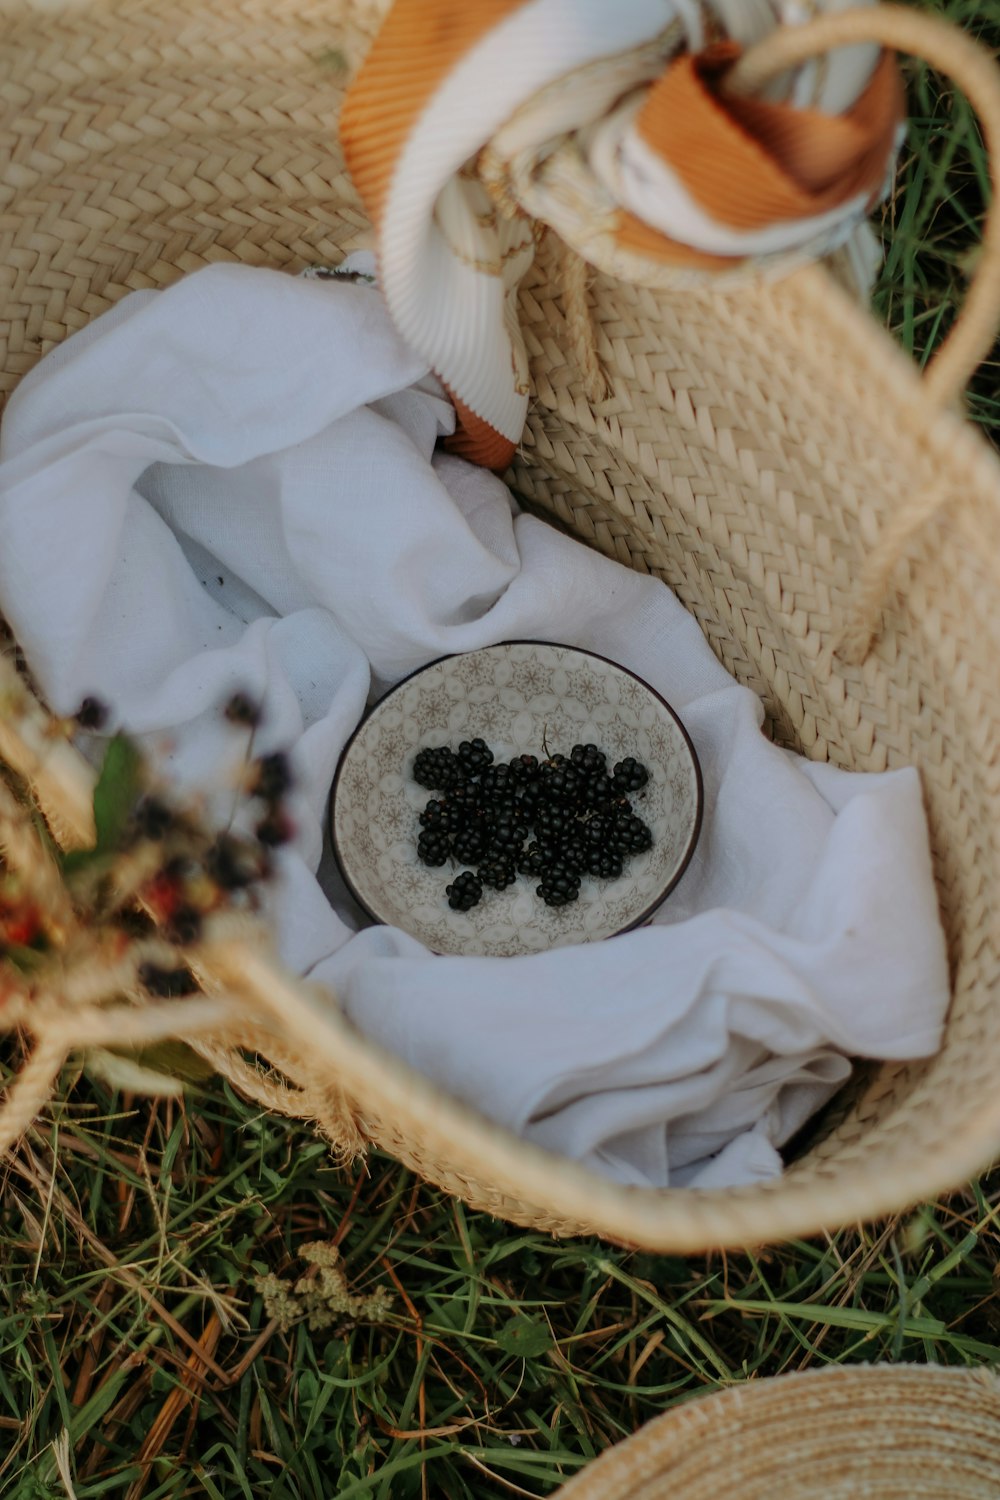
{"points": [[232, 485]]}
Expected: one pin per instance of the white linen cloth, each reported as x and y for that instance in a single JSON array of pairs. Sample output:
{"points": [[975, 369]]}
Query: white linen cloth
{"points": [[231, 485]]}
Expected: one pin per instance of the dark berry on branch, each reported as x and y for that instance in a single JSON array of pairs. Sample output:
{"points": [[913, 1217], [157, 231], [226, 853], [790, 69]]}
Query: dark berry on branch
{"points": [[92, 714], [274, 830], [242, 709], [153, 818], [166, 984], [185, 925], [272, 777], [231, 864]]}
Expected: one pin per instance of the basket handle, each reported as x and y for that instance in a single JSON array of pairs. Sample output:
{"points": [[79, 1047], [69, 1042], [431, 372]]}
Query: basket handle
{"points": [[974, 70]]}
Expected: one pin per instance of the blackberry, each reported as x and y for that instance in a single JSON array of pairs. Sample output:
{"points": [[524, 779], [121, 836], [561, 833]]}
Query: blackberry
{"points": [[596, 791], [556, 765], [630, 775], [562, 786], [532, 860], [433, 815], [502, 807], [453, 817], [552, 823], [465, 795], [605, 864], [617, 838], [474, 756], [498, 873], [574, 852], [508, 833], [526, 797], [630, 835], [588, 758], [465, 891], [433, 847], [596, 829], [524, 768], [559, 886], [469, 845], [463, 813], [496, 781], [436, 768]]}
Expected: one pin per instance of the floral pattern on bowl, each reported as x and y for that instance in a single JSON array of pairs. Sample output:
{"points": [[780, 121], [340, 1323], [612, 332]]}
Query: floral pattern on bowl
{"points": [[521, 697]]}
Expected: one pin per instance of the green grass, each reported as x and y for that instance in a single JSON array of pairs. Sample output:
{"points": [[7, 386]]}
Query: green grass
{"points": [[137, 1356], [932, 219], [505, 1362]]}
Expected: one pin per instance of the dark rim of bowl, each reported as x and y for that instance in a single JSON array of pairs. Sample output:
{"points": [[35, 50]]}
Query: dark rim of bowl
{"points": [[699, 808]]}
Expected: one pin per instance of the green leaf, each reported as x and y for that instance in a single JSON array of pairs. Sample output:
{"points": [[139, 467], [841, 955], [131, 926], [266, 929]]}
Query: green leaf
{"points": [[525, 1337], [117, 790]]}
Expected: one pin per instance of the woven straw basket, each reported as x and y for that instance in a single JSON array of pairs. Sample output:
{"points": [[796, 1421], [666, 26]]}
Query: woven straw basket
{"points": [[768, 451], [862, 1433]]}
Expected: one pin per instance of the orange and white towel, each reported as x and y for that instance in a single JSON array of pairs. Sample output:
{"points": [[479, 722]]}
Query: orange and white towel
{"points": [[471, 119]]}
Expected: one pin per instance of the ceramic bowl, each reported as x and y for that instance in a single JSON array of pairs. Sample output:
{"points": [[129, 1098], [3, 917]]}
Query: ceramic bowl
{"points": [[521, 697]]}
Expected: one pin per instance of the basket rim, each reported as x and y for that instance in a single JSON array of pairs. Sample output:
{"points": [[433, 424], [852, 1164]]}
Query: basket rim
{"points": [[820, 1405]]}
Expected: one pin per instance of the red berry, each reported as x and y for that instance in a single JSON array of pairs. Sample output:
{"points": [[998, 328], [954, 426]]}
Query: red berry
{"points": [[163, 895], [21, 927]]}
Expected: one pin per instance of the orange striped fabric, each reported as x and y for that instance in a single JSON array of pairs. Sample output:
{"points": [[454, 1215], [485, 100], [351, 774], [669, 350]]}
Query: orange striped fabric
{"points": [[749, 163], [416, 48], [696, 181]]}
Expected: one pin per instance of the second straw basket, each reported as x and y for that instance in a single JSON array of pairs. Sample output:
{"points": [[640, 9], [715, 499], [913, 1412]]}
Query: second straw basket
{"points": [[855, 1432], [827, 515]]}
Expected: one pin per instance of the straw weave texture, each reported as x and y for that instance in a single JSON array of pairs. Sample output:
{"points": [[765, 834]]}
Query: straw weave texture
{"points": [[862, 1433], [751, 448]]}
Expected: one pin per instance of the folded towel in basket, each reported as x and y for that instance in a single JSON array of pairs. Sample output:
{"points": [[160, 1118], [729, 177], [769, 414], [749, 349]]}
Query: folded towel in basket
{"points": [[232, 485]]}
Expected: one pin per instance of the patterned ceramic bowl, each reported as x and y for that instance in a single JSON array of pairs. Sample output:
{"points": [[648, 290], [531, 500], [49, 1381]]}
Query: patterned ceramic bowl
{"points": [[519, 697]]}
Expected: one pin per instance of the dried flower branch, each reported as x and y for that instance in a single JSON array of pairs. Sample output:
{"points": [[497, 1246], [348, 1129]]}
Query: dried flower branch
{"points": [[99, 939]]}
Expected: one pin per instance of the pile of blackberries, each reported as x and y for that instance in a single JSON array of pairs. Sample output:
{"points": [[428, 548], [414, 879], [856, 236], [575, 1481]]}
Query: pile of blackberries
{"points": [[556, 820]]}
